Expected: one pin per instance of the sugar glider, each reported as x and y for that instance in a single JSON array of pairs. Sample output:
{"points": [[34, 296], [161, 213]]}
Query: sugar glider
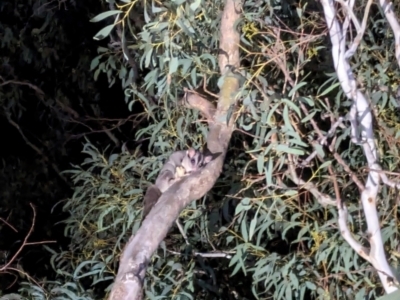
{"points": [[178, 165]]}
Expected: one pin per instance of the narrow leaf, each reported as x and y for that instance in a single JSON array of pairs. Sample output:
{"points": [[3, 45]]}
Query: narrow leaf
{"points": [[104, 15], [103, 33]]}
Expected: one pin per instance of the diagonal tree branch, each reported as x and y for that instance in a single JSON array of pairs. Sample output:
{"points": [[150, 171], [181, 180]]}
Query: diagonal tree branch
{"points": [[140, 248]]}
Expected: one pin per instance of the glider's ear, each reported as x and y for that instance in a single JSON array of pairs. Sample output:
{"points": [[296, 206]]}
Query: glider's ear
{"points": [[209, 156]]}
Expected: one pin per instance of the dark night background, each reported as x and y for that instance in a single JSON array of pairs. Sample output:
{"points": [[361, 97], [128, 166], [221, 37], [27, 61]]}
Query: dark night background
{"points": [[48, 135]]}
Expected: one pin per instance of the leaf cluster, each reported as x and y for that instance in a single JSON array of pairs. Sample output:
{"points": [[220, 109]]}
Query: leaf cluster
{"points": [[283, 243]]}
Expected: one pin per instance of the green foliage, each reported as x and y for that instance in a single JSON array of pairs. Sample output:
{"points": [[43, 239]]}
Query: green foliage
{"points": [[310, 258], [47, 100], [175, 42], [283, 244], [56, 290]]}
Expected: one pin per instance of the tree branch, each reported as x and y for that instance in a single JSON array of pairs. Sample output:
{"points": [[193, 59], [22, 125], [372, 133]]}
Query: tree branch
{"points": [[362, 133], [140, 248]]}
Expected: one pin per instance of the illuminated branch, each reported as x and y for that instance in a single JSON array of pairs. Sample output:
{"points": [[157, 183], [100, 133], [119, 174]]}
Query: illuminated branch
{"points": [[360, 118]]}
